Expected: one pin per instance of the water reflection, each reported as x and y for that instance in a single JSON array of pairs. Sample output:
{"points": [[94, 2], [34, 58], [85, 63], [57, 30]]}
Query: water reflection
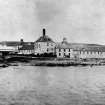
{"points": [[32, 85], [43, 77]]}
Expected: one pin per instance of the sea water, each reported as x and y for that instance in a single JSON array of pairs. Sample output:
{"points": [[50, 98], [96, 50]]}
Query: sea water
{"points": [[33, 85]]}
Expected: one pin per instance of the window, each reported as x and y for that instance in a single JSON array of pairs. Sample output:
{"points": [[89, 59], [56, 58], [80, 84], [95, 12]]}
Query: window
{"points": [[47, 44], [64, 50], [59, 54], [69, 50], [64, 54], [51, 44], [39, 45], [59, 50], [91, 52], [98, 52], [47, 49]]}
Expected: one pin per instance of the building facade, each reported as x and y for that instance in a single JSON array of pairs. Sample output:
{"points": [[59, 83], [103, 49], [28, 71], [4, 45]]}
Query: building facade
{"points": [[44, 44], [26, 49], [64, 50], [90, 53], [68, 50], [4, 50]]}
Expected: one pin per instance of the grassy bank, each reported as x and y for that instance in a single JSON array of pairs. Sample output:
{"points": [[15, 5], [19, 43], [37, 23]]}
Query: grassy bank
{"points": [[50, 61], [64, 63]]}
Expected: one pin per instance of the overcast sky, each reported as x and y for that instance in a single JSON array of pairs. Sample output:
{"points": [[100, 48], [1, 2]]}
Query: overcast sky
{"points": [[78, 20]]}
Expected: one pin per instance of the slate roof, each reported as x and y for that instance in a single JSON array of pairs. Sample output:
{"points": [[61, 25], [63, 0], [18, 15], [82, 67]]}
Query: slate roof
{"points": [[81, 47], [27, 47], [44, 39], [93, 49], [10, 43], [15, 43]]}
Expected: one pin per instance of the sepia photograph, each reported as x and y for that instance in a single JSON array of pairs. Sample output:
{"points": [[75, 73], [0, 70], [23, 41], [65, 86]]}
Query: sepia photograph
{"points": [[52, 52]]}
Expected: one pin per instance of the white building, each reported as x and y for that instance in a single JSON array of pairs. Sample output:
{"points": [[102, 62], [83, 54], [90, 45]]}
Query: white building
{"points": [[26, 49], [81, 51], [6, 48], [44, 44], [64, 50], [13, 44], [90, 52]]}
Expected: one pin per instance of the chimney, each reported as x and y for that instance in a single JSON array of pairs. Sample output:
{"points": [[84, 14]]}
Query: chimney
{"points": [[44, 32], [21, 41]]}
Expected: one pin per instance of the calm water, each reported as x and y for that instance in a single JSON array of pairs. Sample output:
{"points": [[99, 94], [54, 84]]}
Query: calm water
{"points": [[30, 85]]}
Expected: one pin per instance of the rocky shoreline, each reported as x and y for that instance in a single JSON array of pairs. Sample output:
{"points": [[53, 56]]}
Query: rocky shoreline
{"points": [[51, 62], [64, 63]]}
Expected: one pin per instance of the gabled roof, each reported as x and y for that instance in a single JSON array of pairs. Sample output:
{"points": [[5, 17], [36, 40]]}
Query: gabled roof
{"points": [[81, 47], [63, 45], [15, 43], [93, 49], [27, 47], [10, 43], [44, 39]]}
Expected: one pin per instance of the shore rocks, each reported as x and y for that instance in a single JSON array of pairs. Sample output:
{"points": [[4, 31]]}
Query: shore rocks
{"points": [[62, 63], [15, 61]]}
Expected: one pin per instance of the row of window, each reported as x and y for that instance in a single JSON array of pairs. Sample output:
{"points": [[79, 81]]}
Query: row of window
{"points": [[49, 49], [64, 50], [48, 44], [26, 50], [64, 54], [89, 52], [39, 45]]}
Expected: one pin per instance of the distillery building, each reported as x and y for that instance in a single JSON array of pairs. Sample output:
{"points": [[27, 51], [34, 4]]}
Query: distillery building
{"points": [[44, 44]]}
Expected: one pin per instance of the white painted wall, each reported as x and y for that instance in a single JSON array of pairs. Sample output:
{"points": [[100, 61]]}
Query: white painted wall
{"points": [[6, 48], [77, 54], [26, 51], [63, 53], [90, 54], [44, 47]]}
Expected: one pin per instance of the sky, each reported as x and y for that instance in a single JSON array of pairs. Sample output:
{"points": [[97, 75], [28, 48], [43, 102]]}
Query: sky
{"points": [[81, 21]]}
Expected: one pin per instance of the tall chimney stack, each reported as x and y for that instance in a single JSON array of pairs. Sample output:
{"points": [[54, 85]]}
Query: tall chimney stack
{"points": [[44, 32]]}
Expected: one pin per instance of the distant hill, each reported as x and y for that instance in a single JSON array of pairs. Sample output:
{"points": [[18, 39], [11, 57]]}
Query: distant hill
{"points": [[15, 43], [82, 46], [85, 45], [75, 46]]}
